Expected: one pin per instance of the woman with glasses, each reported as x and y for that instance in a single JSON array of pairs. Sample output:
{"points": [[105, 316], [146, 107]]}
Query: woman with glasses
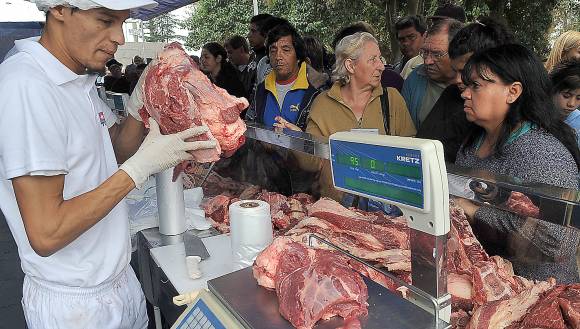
{"points": [[355, 100], [519, 133]]}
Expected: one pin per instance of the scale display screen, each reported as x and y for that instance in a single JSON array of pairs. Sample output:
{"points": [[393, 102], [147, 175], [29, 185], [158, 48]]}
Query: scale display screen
{"points": [[384, 172], [200, 316]]}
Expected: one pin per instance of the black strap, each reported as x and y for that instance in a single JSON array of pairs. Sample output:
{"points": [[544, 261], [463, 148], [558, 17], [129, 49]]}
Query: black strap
{"points": [[385, 108]]}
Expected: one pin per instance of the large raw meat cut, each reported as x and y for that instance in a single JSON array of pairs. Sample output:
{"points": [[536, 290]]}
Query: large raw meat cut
{"points": [[311, 284], [179, 96], [503, 313]]}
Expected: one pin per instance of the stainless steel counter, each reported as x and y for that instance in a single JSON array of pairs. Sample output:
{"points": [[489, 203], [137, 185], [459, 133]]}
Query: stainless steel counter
{"points": [[257, 308]]}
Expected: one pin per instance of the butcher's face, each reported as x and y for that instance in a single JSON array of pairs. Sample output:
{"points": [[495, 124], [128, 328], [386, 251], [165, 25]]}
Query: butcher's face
{"points": [[85, 39], [369, 67], [283, 58], [487, 99]]}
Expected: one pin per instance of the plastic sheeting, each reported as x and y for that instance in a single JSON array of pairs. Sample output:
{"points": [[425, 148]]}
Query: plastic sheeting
{"points": [[164, 6]]}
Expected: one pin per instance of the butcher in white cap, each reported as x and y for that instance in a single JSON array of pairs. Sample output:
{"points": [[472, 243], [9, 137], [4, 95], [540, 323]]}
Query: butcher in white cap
{"points": [[61, 188]]}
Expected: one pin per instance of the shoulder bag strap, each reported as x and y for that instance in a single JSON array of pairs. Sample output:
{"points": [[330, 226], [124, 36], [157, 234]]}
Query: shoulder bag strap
{"points": [[385, 109]]}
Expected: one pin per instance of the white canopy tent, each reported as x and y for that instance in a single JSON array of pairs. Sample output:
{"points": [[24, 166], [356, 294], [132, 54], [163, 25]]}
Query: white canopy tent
{"points": [[25, 11]]}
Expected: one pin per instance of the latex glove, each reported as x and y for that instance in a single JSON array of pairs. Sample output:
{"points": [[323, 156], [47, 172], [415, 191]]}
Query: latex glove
{"points": [[159, 152], [135, 102]]}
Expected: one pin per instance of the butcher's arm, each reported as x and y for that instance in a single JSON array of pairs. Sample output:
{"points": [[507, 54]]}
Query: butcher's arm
{"points": [[126, 138], [51, 222]]}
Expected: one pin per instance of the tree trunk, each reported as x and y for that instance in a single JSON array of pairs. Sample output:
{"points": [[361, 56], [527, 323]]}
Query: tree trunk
{"points": [[421, 7], [413, 7], [391, 7]]}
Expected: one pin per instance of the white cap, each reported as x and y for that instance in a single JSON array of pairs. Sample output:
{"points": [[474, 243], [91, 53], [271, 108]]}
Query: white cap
{"points": [[44, 5]]}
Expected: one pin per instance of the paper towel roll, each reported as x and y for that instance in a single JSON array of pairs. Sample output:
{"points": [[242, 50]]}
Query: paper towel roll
{"points": [[250, 230]]}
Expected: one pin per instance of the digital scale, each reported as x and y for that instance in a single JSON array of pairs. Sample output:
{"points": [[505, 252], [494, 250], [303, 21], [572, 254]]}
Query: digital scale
{"points": [[411, 174], [406, 172], [206, 312]]}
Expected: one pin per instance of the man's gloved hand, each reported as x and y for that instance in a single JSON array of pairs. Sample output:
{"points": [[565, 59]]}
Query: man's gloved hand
{"points": [[159, 152], [135, 102]]}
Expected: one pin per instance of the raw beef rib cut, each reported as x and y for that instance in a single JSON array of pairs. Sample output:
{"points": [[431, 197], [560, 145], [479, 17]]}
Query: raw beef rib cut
{"points": [[179, 96]]}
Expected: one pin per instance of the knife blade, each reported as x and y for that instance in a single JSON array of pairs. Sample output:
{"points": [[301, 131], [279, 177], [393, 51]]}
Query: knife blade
{"points": [[194, 246]]}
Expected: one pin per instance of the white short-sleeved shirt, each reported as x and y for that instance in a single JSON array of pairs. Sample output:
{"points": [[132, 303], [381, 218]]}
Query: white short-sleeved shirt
{"points": [[52, 121]]}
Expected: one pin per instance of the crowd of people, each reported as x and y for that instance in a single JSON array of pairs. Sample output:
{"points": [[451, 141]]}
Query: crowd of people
{"points": [[490, 101]]}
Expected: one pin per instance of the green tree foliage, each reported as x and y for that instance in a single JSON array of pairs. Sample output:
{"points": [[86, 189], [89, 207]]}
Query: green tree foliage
{"points": [[161, 28], [531, 20], [214, 20], [217, 20], [566, 17]]}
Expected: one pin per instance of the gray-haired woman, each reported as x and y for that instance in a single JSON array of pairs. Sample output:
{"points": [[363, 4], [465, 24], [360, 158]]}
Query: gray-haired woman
{"points": [[354, 101]]}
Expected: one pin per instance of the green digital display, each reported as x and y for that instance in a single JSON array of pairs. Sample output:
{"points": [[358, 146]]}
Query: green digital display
{"points": [[391, 192], [380, 166], [402, 170]]}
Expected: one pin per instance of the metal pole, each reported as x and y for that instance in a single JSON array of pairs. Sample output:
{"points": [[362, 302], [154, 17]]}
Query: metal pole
{"points": [[256, 10]]}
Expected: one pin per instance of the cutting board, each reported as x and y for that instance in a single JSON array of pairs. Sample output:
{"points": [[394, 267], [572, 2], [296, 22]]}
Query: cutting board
{"points": [[171, 259]]}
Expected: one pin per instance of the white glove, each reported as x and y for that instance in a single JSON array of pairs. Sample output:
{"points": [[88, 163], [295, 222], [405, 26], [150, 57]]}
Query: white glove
{"points": [[135, 102], [159, 152]]}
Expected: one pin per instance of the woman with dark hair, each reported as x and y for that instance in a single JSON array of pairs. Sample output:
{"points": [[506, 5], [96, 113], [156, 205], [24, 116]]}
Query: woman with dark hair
{"points": [[447, 122], [566, 92], [214, 63], [519, 133]]}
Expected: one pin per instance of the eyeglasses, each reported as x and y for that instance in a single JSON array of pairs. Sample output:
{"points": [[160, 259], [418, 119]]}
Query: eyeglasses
{"points": [[437, 55], [373, 60]]}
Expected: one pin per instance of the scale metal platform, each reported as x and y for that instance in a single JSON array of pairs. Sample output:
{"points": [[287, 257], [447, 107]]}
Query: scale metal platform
{"points": [[257, 307]]}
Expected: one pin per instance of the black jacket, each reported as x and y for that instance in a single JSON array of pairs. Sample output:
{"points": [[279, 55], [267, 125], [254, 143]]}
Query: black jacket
{"points": [[447, 122], [229, 80]]}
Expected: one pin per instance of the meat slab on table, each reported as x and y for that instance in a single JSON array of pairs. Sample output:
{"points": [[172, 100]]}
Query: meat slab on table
{"points": [[177, 108], [311, 284]]}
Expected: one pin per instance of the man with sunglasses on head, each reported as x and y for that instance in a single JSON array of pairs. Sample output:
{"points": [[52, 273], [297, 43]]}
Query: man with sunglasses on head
{"points": [[426, 83]]}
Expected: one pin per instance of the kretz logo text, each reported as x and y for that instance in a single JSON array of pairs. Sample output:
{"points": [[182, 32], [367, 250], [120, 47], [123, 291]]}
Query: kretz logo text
{"points": [[407, 159]]}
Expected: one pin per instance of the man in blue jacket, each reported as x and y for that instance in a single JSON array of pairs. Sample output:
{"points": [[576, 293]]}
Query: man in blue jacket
{"points": [[287, 91]]}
